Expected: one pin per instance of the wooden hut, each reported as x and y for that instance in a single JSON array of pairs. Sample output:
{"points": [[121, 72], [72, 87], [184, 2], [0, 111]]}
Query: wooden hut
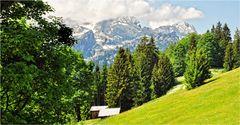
{"points": [[95, 110]]}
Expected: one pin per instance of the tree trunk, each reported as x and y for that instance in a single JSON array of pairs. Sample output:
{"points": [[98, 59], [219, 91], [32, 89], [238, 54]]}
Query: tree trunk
{"points": [[78, 112]]}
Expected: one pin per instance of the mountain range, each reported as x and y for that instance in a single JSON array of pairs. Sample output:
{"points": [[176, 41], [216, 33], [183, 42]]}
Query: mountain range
{"points": [[100, 42]]}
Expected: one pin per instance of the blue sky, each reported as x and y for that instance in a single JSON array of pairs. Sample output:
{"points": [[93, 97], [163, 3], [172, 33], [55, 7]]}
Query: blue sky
{"points": [[202, 14], [225, 11]]}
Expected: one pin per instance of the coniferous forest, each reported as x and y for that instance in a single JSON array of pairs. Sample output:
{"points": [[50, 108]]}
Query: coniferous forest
{"points": [[45, 81]]}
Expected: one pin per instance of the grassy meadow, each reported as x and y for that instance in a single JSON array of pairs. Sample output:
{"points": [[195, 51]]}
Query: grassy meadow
{"points": [[216, 102]]}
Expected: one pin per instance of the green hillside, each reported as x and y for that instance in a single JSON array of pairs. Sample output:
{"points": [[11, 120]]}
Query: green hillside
{"points": [[217, 102]]}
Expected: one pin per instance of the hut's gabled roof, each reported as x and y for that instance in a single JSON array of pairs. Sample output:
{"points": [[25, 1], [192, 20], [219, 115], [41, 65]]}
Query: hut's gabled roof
{"points": [[98, 108]]}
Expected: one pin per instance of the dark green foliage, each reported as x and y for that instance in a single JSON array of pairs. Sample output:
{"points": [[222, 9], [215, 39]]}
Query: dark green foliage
{"points": [[197, 69], [65, 35], [228, 59], [147, 57], [236, 49], [32, 9], [163, 76], [118, 92]]}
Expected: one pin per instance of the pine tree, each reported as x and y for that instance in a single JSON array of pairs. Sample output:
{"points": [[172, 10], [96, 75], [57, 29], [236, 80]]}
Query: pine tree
{"points": [[97, 85], [146, 57], [197, 66], [213, 29], [138, 88], [236, 49], [226, 34], [228, 59], [218, 31], [118, 89], [127, 98], [103, 83], [223, 37], [163, 76], [192, 47]]}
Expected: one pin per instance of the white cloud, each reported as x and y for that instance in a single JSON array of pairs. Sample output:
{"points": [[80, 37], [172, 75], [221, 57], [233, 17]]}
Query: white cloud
{"points": [[96, 10], [168, 14]]}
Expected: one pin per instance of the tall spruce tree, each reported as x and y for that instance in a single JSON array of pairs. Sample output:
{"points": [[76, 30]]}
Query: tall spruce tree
{"points": [[97, 85], [212, 29], [127, 99], [223, 37], [147, 57], [162, 77], [236, 49], [138, 86], [197, 66], [228, 59], [226, 34], [117, 92], [220, 49], [103, 84], [218, 31]]}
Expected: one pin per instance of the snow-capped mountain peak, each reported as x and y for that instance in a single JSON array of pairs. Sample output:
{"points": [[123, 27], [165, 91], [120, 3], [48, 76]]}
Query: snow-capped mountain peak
{"points": [[185, 27], [100, 42]]}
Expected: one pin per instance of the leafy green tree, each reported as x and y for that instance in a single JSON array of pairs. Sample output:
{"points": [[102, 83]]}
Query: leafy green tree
{"points": [[170, 52], [179, 53], [210, 46], [83, 88], [163, 76], [40, 74], [197, 66], [147, 57], [118, 90], [228, 59], [179, 56], [236, 49]]}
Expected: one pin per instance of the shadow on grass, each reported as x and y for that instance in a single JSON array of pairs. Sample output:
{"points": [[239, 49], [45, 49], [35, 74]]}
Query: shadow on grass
{"points": [[211, 80]]}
